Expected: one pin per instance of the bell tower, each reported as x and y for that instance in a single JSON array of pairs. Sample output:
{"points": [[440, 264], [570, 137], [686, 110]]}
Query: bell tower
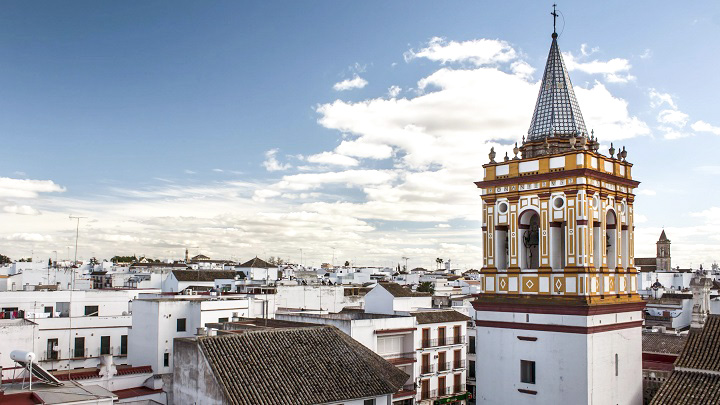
{"points": [[663, 262], [559, 318]]}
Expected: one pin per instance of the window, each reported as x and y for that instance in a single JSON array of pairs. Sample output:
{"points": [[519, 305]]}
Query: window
{"points": [[105, 345], [91, 310], [369, 401], [52, 349], [390, 344], [471, 369], [527, 371], [457, 359], [616, 364], [49, 310], [441, 386], [441, 336], [123, 344], [181, 326], [79, 347], [223, 320], [166, 360], [457, 333], [426, 338], [471, 345]]}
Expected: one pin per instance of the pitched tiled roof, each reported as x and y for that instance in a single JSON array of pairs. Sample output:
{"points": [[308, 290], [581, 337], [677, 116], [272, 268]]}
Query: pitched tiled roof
{"points": [[399, 291], [297, 366], [439, 316], [689, 388], [645, 261], [702, 351], [202, 275], [663, 343], [258, 263]]}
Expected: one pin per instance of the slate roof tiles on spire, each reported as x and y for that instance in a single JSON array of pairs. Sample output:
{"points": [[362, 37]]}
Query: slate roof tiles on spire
{"points": [[557, 112]]}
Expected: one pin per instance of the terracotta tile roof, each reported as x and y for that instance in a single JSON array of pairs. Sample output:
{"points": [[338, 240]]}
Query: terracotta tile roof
{"points": [[202, 275], [663, 343], [258, 263], [686, 387], [702, 351], [399, 291], [645, 261], [297, 366], [136, 392], [424, 317]]}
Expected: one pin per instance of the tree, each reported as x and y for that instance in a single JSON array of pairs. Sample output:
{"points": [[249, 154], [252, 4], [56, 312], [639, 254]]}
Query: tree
{"points": [[426, 286], [5, 260], [276, 260], [439, 262]]}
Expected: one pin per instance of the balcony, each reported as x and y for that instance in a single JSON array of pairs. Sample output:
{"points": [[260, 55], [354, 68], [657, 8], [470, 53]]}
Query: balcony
{"points": [[458, 364], [407, 390], [458, 389], [445, 366], [439, 342], [400, 358], [427, 369], [428, 394]]}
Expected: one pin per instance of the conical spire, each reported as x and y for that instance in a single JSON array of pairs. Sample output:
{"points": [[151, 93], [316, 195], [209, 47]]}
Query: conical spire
{"points": [[663, 237], [557, 112]]}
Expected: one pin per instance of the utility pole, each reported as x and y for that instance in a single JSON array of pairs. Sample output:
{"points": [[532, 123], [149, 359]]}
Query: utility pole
{"points": [[77, 236]]}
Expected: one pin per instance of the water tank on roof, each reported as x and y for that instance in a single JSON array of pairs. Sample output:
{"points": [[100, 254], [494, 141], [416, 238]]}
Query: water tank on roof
{"points": [[22, 355]]}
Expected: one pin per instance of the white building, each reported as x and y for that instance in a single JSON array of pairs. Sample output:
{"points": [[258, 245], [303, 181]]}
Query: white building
{"points": [[66, 329]]}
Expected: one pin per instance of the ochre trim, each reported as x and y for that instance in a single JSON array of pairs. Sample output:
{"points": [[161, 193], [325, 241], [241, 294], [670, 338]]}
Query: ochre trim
{"points": [[559, 175], [583, 330]]}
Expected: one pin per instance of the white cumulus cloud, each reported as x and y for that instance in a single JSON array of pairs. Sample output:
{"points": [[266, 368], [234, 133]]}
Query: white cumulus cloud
{"points": [[702, 126], [478, 52], [331, 158], [21, 210], [356, 82], [272, 164]]}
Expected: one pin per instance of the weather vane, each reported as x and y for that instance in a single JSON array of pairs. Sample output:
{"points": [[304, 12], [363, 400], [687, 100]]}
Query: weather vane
{"points": [[555, 15]]}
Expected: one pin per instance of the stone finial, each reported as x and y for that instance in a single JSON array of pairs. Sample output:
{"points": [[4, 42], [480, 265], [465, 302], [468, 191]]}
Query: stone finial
{"points": [[546, 146], [623, 154], [492, 154], [573, 142], [506, 157], [515, 151], [583, 142], [612, 151], [523, 140]]}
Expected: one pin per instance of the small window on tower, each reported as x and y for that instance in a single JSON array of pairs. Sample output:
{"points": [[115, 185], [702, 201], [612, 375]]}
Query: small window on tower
{"points": [[527, 371]]}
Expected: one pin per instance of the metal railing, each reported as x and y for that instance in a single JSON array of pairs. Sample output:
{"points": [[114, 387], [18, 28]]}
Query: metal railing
{"points": [[427, 369], [458, 389], [444, 366], [398, 356], [458, 364], [428, 394], [437, 342]]}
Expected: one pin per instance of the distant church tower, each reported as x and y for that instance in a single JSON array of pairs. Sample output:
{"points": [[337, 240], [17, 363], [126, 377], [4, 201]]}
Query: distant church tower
{"points": [[559, 318], [663, 262]]}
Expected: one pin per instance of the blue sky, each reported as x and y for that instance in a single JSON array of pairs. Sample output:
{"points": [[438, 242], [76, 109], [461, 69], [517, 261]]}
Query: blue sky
{"points": [[219, 125]]}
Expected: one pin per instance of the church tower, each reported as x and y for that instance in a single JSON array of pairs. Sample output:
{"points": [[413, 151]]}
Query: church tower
{"points": [[663, 253], [559, 318]]}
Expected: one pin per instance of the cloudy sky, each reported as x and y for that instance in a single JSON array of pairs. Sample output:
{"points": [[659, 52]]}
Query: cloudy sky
{"points": [[353, 129]]}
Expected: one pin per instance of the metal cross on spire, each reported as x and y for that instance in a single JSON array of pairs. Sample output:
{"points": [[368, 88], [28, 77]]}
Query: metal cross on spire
{"points": [[555, 16]]}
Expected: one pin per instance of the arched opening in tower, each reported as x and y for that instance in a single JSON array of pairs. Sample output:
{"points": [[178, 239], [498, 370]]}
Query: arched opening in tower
{"points": [[611, 239], [529, 238]]}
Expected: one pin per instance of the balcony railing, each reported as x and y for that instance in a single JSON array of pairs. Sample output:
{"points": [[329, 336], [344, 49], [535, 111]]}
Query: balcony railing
{"points": [[399, 358], [458, 364], [445, 366], [448, 341], [428, 394], [427, 369], [405, 391], [458, 389]]}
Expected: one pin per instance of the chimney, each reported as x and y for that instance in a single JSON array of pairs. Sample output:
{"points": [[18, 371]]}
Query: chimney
{"points": [[200, 332]]}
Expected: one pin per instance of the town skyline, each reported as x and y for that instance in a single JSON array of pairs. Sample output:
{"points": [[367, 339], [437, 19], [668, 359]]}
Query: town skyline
{"points": [[223, 143]]}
